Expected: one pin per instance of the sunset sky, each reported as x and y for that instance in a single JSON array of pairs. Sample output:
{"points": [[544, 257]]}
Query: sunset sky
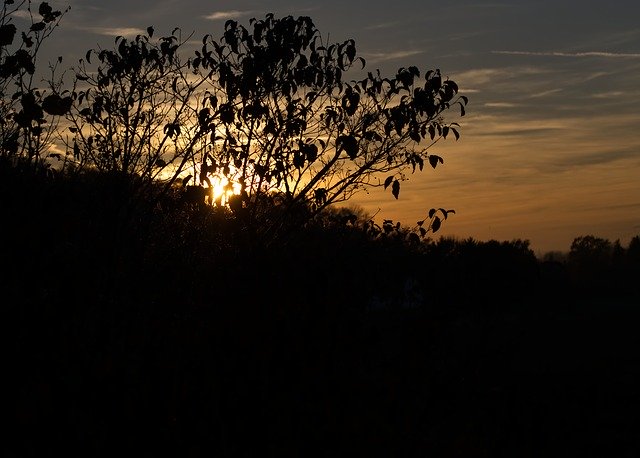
{"points": [[550, 146]]}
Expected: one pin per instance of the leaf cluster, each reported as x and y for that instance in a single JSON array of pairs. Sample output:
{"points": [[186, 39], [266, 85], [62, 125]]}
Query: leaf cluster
{"points": [[27, 114]]}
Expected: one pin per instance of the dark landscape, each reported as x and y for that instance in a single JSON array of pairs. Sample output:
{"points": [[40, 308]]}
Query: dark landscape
{"points": [[145, 315], [165, 331]]}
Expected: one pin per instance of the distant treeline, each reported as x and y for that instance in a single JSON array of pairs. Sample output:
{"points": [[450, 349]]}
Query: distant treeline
{"points": [[93, 233]]}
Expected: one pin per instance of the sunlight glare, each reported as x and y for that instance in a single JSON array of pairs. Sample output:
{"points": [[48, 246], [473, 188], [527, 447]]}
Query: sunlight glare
{"points": [[223, 189]]}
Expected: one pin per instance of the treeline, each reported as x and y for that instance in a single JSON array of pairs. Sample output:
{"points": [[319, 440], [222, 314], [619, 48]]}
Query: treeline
{"points": [[76, 230]]}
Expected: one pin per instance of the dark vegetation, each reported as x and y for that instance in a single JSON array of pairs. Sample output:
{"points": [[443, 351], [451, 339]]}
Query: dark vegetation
{"points": [[139, 321], [164, 329]]}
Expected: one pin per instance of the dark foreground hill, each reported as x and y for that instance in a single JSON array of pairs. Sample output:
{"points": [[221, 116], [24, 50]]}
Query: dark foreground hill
{"points": [[166, 330]]}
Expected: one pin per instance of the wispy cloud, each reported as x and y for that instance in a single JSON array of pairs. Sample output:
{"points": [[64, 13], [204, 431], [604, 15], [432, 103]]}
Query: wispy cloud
{"points": [[115, 31], [545, 93], [392, 55], [384, 25], [607, 95], [594, 158], [501, 105], [22, 14], [571, 54], [480, 76], [224, 15]]}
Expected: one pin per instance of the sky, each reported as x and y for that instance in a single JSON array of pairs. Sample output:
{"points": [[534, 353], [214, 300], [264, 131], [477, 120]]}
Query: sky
{"points": [[550, 145]]}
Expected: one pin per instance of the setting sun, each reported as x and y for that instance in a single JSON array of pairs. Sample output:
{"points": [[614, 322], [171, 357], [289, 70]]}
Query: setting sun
{"points": [[223, 189]]}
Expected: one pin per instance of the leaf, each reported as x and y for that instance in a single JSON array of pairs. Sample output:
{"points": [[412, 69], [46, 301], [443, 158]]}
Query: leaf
{"points": [[388, 181], [420, 223], [44, 9], [432, 131], [349, 144], [432, 212], [395, 189], [7, 32], [436, 224], [37, 27], [55, 105], [28, 41], [150, 31], [433, 160]]}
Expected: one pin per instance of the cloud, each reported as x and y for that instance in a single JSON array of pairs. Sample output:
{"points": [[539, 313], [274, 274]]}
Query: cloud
{"points": [[545, 93], [481, 76], [571, 54], [501, 105], [593, 158], [384, 25], [223, 15], [22, 14], [607, 95], [384, 56], [115, 31]]}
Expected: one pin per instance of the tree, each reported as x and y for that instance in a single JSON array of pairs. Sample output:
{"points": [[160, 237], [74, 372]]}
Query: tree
{"points": [[27, 115], [265, 115], [284, 120], [130, 109]]}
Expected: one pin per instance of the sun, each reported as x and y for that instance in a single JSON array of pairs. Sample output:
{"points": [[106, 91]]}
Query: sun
{"points": [[223, 189]]}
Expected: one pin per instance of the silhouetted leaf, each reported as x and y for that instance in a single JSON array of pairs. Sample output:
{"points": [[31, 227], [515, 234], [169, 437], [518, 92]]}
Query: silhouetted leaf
{"points": [[37, 27], [433, 160], [7, 33], [28, 42], [56, 105], [150, 31], [395, 189], [388, 181], [44, 9], [348, 144], [436, 224]]}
